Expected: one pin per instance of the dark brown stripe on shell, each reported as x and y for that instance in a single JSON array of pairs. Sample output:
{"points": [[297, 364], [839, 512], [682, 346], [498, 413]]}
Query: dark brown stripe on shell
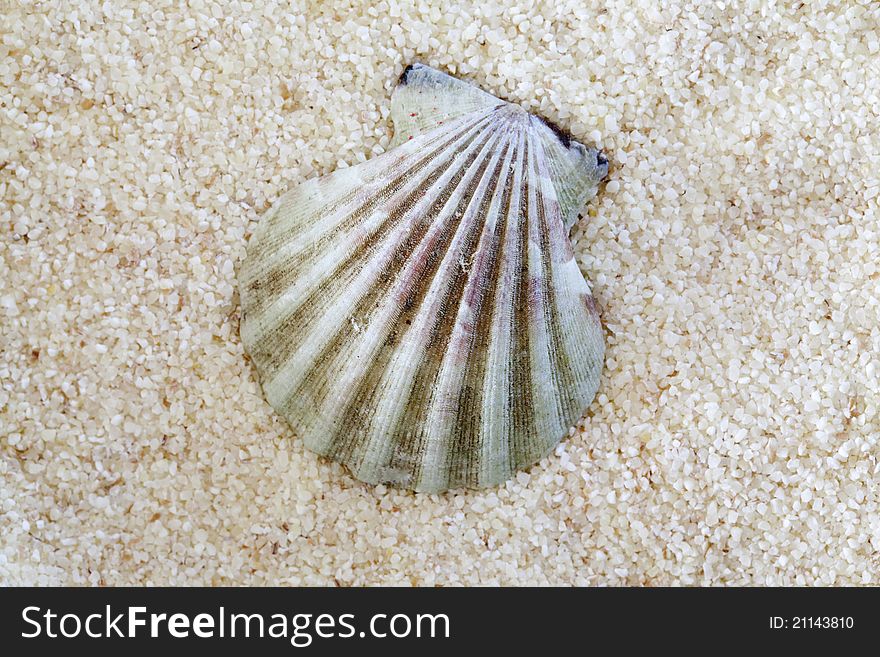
{"points": [[522, 414]]}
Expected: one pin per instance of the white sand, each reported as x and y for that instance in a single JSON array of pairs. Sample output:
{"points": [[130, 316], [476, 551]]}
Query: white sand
{"points": [[734, 255]]}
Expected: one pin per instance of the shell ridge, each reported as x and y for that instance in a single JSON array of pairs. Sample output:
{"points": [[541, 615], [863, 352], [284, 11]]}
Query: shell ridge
{"points": [[520, 387], [425, 297]]}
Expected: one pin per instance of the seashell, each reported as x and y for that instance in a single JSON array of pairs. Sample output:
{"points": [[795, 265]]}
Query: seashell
{"points": [[420, 317]]}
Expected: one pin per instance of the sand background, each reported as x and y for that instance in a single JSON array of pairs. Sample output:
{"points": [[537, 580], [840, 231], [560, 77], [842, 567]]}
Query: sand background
{"points": [[734, 255]]}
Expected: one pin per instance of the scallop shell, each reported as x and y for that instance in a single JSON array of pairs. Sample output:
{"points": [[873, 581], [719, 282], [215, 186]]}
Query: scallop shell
{"points": [[420, 317]]}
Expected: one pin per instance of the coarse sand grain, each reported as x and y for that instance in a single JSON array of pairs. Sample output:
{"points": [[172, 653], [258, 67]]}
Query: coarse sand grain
{"points": [[733, 252]]}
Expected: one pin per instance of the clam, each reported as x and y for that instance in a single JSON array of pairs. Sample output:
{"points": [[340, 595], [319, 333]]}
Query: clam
{"points": [[420, 317]]}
